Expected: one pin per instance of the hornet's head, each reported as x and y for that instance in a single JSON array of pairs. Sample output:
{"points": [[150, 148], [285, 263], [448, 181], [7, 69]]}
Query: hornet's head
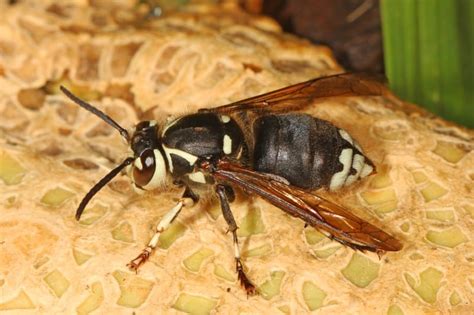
{"points": [[147, 166], [148, 170]]}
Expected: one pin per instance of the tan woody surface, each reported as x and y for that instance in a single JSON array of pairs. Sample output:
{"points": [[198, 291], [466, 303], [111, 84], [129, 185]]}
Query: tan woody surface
{"points": [[52, 152]]}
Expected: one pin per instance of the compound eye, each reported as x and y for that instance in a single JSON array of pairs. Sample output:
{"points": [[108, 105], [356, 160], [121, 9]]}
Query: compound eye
{"points": [[144, 168], [149, 169]]}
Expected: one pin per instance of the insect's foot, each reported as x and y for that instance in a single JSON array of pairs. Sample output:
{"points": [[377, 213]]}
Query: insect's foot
{"points": [[139, 260], [244, 281]]}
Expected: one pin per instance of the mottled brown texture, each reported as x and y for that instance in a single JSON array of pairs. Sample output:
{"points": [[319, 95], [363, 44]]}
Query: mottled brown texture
{"points": [[192, 59], [351, 28]]}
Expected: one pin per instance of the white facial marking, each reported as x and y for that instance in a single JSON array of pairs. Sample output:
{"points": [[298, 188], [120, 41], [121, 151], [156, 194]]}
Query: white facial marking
{"points": [[138, 190], [227, 144], [224, 118], [159, 176], [338, 179], [357, 164], [366, 170], [153, 123], [185, 155], [168, 157], [346, 136], [197, 177], [138, 164]]}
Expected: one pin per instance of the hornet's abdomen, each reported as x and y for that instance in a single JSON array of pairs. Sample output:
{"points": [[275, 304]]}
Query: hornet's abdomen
{"points": [[307, 151]]}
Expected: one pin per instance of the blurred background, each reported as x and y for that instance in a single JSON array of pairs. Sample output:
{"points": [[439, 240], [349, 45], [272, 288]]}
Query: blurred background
{"points": [[424, 47]]}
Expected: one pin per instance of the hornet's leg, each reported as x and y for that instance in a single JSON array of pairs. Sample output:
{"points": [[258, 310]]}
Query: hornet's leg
{"points": [[227, 213], [188, 199]]}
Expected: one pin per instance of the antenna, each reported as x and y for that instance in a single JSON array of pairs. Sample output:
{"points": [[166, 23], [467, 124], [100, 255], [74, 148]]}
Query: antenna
{"points": [[96, 112], [101, 183]]}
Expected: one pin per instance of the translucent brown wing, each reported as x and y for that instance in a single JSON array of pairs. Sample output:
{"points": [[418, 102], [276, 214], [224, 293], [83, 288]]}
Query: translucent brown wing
{"points": [[316, 211], [302, 94]]}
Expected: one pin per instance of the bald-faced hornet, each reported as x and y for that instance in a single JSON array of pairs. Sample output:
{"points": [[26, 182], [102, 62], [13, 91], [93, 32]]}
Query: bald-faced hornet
{"points": [[261, 147]]}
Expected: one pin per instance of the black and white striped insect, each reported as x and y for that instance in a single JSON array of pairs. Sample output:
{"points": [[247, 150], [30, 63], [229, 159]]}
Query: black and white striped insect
{"points": [[263, 147]]}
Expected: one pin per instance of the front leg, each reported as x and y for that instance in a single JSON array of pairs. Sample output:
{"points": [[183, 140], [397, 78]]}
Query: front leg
{"points": [[188, 199], [229, 218]]}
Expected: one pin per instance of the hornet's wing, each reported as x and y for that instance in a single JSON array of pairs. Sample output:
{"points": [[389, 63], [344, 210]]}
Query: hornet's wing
{"points": [[324, 215], [303, 94]]}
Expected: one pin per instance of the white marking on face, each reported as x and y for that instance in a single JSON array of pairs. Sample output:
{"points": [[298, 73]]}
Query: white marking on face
{"points": [[138, 190], [346, 136], [197, 177], [185, 155], [366, 170], [224, 118], [338, 179], [357, 164], [159, 176], [153, 123], [138, 164], [227, 145], [168, 157]]}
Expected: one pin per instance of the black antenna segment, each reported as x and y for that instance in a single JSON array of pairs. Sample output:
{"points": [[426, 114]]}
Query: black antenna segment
{"points": [[96, 112], [100, 184]]}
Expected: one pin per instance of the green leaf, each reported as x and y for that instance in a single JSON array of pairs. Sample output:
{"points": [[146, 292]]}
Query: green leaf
{"points": [[428, 49]]}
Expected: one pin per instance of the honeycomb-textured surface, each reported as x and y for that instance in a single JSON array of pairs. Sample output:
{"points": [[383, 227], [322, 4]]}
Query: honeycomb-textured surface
{"points": [[51, 153]]}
